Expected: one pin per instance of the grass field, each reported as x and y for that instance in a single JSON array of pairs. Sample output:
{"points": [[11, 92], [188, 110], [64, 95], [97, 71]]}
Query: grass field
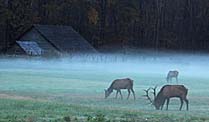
{"points": [[64, 89]]}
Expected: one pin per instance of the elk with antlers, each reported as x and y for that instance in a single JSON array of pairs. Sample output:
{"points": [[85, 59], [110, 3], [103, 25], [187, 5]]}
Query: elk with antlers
{"points": [[167, 92]]}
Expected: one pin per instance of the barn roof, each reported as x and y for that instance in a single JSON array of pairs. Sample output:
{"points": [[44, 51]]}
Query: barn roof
{"points": [[30, 47], [64, 38]]}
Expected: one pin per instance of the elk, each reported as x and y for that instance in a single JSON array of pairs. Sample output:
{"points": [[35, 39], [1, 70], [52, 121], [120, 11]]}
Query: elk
{"points": [[172, 74], [119, 84], [167, 92]]}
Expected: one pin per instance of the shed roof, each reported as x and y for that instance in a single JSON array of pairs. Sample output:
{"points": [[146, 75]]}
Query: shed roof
{"points": [[30, 47], [64, 38]]}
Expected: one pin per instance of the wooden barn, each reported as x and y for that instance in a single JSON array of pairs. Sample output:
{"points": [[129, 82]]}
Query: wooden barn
{"points": [[50, 40]]}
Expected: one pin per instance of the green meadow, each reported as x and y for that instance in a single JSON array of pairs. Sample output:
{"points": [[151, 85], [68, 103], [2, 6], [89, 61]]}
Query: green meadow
{"points": [[33, 90]]}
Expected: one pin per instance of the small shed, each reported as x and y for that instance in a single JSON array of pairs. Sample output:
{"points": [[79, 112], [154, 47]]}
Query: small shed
{"points": [[49, 40]]}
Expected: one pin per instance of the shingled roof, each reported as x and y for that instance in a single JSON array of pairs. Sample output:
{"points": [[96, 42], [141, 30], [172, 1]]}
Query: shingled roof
{"points": [[64, 38]]}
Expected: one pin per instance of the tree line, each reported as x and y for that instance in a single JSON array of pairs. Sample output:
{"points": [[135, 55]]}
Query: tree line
{"points": [[156, 24]]}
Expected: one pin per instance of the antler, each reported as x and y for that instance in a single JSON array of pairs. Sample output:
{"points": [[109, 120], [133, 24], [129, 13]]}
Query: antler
{"points": [[154, 91], [147, 95]]}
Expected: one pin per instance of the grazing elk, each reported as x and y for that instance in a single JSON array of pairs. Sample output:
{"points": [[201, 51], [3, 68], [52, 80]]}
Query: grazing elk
{"points": [[119, 84], [172, 74], [167, 92]]}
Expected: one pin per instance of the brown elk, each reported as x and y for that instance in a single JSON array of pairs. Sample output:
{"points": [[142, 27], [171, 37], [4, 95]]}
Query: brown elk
{"points": [[172, 74], [119, 84], [167, 92]]}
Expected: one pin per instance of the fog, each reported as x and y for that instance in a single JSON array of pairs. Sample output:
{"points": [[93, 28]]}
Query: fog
{"points": [[187, 64]]}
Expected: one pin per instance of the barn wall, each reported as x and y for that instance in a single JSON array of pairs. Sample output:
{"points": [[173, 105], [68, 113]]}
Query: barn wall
{"points": [[35, 36], [16, 50]]}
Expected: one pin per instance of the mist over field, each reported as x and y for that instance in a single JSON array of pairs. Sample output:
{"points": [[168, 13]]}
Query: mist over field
{"points": [[186, 64], [81, 79]]}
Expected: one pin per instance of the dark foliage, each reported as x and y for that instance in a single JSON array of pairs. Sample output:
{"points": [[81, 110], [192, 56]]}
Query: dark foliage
{"points": [[157, 24]]}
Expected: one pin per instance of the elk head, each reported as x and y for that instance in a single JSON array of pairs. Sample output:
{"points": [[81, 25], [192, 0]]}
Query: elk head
{"points": [[155, 100], [108, 92]]}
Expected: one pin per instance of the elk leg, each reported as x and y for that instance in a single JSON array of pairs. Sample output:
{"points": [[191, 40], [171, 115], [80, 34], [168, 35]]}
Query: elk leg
{"points": [[168, 100], [161, 107], [163, 104], [187, 102], [177, 80], [121, 94], [133, 93], [169, 79], [116, 94], [128, 93], [181, 104]]}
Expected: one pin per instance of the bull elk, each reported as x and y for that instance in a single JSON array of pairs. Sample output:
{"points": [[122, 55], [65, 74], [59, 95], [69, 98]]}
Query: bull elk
{"points": [[172, 74], [167, 92], [119, 84]]}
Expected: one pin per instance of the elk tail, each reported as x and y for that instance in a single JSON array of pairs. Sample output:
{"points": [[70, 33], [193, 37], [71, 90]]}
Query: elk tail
{"points": [[132, 83], [186, 91]]}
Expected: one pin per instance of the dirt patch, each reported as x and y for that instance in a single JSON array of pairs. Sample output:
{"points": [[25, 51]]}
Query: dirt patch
{"points": [[16, 97]]}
